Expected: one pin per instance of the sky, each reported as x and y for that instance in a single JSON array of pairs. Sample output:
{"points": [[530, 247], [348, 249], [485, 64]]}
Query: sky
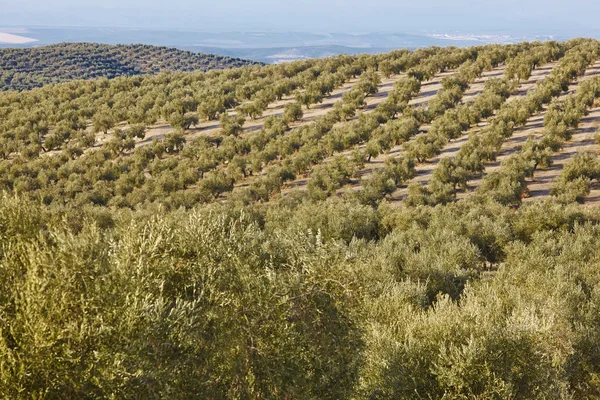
{"points": [[348, 16]]}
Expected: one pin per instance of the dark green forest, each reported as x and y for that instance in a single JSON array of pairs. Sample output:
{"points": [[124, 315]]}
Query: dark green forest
{"points": [[28, 68], [257, 248]]}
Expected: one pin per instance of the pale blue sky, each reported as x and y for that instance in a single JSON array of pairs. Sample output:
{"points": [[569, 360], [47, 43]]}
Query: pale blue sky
{"points": [[544, 16]]}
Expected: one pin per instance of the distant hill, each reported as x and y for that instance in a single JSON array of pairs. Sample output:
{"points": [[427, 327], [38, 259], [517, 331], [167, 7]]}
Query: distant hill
{"points": [[27, 68]]}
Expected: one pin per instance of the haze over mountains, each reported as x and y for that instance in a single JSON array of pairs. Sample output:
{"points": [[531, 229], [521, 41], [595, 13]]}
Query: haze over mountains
{"points": [[269, 47], [274, 31]]}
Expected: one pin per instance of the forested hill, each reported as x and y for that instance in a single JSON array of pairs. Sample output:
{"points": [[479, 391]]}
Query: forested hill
{"points": [[22, 69]]}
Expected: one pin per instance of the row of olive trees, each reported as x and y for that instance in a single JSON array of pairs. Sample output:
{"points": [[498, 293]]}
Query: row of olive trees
{"points": [[447, 121], [392, 122], [102, 104], [483, 146], [394, 132], [508, 185], [455, 121], [179, 173], [27, 68], [180, 99], [162, 171], [336, 139]]}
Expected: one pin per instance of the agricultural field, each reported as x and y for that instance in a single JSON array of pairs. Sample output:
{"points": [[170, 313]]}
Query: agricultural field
{"points": [[413, 224], [28, 68]]}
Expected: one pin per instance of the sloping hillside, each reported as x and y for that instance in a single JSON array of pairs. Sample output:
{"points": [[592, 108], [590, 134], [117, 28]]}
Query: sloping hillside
{"points": [[27, 68], [435, 119], [415, 224]]}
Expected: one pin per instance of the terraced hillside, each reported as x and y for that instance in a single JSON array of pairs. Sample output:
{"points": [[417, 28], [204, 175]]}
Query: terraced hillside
{"points": [[416, 224], [28, 68]]}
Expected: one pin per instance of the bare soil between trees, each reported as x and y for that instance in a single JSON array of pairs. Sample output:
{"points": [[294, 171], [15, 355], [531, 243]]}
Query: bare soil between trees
{"points": [[541, 183], [538, 187], [212, 128], [424, 171]]}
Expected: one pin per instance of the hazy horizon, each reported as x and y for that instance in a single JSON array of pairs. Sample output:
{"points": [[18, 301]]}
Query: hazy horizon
{"points": [[272, 31], [513, 16]]}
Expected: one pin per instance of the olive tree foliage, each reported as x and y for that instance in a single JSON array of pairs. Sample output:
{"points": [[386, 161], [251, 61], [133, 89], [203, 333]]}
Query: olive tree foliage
{"points": [[424, 147], [485, 145], [292, 112], [253, 109], [307, 98], [326, 179], [383, 182], [573, 183], [508, 186], [172, 324], [184, 121], [231, 125], [177, 268], [354, 301], [103, 121]]}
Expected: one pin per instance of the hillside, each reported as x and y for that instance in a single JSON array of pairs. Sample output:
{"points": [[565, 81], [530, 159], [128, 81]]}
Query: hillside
{"points": [[413, 224], [354, 110], [27, 68]]}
